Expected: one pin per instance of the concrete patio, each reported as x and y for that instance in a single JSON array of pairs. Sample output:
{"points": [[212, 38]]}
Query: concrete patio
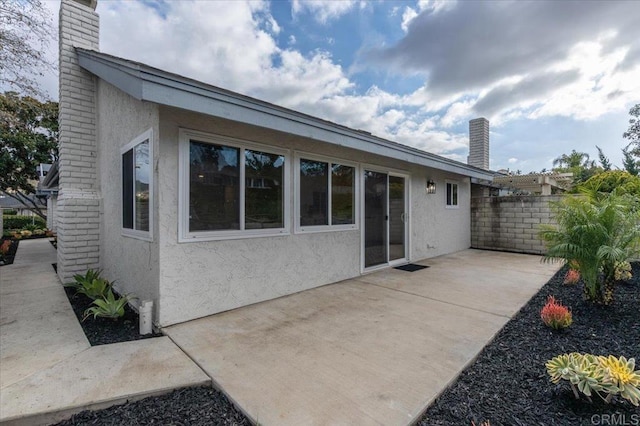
{"points": [[48, 370], [374, 350]]}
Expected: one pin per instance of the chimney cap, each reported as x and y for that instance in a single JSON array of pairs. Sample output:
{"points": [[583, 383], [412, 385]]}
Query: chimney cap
{"points": [[88, 3]]}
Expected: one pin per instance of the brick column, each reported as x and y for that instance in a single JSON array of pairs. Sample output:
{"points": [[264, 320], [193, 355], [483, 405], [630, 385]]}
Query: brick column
{"points": [[479, 143], [78, 216]]}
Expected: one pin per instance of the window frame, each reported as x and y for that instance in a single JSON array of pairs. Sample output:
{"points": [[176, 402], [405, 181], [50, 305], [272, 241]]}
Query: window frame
{"points": [[300, 155], [132, 232], [186, 236], [446, 201]]}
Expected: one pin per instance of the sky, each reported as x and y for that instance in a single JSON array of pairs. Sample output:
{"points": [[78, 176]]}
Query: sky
{"points": [[549, 76]]}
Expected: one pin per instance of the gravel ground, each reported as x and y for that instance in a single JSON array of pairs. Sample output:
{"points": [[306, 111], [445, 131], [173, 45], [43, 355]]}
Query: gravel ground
{"points": [[506, 385]]}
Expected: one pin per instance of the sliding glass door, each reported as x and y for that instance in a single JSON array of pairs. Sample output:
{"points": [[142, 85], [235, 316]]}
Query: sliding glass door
{"points": [[385, 218]]}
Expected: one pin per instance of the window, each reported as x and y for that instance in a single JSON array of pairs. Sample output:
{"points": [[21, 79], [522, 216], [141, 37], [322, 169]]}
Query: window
{"points": [[326, 195], [452, 194], [137, 187], [231, 188]]}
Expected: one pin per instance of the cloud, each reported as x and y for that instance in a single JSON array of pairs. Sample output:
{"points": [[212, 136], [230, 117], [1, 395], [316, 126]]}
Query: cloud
{"points": [[471, 45], [512, 160], [322, 10], [475, 58], [531, 88]]}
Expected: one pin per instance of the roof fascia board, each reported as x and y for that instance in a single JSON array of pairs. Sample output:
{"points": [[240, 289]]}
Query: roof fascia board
{"points": [[115, 75], [148, 84]]}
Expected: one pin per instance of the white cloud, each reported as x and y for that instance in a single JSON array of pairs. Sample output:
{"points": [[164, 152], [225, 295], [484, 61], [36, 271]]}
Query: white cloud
{"points": [[408, 15], [208, 50], [512, 160], [323, 10]]}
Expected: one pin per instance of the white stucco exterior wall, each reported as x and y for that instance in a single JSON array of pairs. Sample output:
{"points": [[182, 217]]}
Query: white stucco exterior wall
{"points": [[203, 278], [133, 263]]}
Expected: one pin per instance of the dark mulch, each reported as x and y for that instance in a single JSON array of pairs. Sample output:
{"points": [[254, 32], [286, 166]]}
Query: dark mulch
{"points": [[102, 331], [508, 383], [7, 259], [190, 406]]}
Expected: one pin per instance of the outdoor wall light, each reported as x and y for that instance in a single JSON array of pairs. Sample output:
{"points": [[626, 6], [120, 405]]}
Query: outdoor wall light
{"points": [[431, 187]]}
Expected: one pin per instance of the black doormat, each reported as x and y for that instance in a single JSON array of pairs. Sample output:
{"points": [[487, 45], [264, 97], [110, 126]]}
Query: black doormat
{"points": [[410, 267]]}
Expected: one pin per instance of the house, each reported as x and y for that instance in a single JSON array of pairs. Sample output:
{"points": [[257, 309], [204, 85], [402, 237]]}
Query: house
{"points": [[205, 200]]}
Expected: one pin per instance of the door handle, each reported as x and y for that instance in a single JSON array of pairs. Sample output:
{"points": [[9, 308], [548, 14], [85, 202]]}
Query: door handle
{"points": [[403, 217]]}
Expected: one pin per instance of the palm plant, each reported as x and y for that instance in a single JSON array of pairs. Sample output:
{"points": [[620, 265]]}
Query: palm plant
{"points": [[595, 233]]}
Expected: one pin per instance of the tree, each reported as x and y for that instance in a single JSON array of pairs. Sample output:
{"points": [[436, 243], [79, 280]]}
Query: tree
{"points": [[28, 137], [613, 180], [629, 161], [604, 161], [25, 32], [633, 132], [573, 160], [577, 163]]}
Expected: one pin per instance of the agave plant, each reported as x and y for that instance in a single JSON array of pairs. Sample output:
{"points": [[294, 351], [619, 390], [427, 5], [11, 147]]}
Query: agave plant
{"points": [[594, 233], [108, 307]]}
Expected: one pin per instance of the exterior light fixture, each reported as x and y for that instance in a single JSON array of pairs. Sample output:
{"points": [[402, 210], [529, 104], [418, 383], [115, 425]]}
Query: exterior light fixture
{"points": [[431, 187]]}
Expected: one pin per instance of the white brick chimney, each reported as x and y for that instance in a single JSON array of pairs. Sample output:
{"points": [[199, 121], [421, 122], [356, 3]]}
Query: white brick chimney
{"points": [[479, 143], [79, 197]]}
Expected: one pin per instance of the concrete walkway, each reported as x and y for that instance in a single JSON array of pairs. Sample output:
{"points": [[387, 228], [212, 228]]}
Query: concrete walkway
{"points": [[375, 350], [48, 370]]}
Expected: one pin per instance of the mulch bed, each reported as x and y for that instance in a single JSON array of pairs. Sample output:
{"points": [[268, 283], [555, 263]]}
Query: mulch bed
{"points": [[190, 406], [7, 259], [102, 331], [508, 383]]}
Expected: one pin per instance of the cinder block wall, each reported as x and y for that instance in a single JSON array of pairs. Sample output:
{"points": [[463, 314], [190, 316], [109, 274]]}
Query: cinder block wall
{"points": [[510, 223]]}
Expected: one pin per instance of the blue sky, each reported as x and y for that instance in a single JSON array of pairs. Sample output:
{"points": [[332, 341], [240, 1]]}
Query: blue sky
{"points": [[550, 76]]}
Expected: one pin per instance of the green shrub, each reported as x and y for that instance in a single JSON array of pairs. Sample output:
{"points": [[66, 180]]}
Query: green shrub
{"points": [[109, 306], [21, 222], [9, 212], [91, 284], [606, 182], [595, 234]]}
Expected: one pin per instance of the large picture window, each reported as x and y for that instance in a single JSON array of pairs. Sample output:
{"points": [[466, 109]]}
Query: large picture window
{"points": [[137, 188], [231, 188], [326, 193]]}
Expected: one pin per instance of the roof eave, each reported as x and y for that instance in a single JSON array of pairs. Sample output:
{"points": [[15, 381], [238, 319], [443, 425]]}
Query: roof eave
{"points": [[149, 84]]}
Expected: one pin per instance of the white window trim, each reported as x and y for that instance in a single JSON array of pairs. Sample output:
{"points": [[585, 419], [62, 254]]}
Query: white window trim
{"points": [[134, 233], [452, 206], [184, 235], [356, 201]]}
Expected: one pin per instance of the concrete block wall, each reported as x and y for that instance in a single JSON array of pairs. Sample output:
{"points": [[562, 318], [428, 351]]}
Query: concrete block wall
{"points": [[510, 223], [78, 216]]}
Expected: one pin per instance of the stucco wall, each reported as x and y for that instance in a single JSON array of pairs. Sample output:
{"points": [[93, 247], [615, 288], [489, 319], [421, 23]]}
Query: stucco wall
{"points": [[131, 262], [510, 223], [202, 278]]}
